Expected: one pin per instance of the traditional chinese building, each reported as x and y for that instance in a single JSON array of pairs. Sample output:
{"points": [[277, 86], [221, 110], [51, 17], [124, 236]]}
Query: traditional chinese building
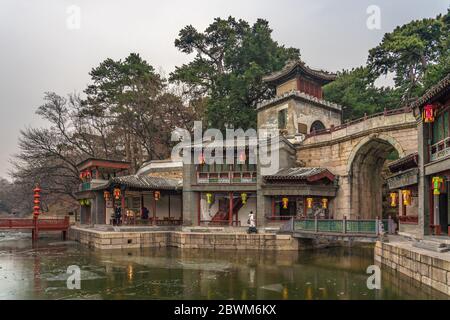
{"points": [[324, 168], [432, 111], [403, 196], [152, 196]]}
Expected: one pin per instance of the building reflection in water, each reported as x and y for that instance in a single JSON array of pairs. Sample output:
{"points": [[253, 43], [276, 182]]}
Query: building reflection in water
{"points": [[130, 272], [37, 273]]}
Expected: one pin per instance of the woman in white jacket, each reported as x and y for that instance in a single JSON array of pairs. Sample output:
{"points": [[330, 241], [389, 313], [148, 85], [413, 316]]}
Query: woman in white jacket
{"points": [[251, 223]]}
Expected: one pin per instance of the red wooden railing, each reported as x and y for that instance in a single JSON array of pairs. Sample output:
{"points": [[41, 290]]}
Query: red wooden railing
{"points": [[408, 219], [42, 224]]}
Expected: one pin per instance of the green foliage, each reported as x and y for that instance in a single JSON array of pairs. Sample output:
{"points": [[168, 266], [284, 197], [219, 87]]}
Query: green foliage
{"points": [[409, 51], [417, 54], [355, 91], [231, 59]]}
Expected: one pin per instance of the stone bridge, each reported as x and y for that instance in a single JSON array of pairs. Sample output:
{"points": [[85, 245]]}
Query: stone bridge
{"points": [[356, 152]]}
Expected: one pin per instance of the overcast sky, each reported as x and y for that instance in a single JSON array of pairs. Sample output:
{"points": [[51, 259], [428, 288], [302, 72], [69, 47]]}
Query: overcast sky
{"points": [[42, 50]]}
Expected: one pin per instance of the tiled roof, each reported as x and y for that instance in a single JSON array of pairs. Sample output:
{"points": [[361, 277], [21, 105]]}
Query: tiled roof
{"points": [[298, 65], [434, 92], [146, 182], [406, 162], [299, 95], [301, 173]]}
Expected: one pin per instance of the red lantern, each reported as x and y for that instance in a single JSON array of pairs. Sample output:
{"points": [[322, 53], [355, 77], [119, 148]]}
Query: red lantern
{"points": [[37, 201], [106, 195], [201, 158], [242, 157], [428, 113], [157, 195], [116, 193]]}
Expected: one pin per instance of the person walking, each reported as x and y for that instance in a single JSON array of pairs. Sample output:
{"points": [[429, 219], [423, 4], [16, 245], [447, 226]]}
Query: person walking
{"points": [[251, 223]]}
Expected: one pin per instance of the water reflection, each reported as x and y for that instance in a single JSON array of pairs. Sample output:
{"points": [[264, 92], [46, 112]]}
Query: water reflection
{"points": [[337, 273]]}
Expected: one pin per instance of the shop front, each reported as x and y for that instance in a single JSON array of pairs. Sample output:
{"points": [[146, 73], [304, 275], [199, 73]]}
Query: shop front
{"points": [[300, 193], [285, 207], [225, 208]]}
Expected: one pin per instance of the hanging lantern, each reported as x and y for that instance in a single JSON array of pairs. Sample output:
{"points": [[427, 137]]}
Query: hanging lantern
{"points": [[285, 202], [244, 198], [309, 202], [406, 194], [81, 202], [437, 183], [106, 195], [393, 196], [242, 157], [201, 158], [81, 175], [37, 201], [88, 174], [428, 113], [157, 195], [209, 198], [116, 193], [324, 203], [87, 202]]}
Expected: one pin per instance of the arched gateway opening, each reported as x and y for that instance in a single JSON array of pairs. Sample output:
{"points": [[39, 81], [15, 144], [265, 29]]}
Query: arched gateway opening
{"points": [[367, 173]]}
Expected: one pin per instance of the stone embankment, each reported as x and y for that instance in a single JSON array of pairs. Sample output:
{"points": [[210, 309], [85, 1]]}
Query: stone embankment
{"points": [[428, 267], [180, 239]]}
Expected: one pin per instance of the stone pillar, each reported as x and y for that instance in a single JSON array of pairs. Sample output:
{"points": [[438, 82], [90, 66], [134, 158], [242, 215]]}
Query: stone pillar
{"points": [[190, 197], [424, 183], [437, 227]]}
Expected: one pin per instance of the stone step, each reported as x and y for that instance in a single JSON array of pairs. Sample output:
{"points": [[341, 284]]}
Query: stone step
{"points": [[434, 242], [430, 245]]}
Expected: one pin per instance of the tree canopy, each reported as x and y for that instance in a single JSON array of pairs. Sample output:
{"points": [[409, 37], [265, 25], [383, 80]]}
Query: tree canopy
{"points": [[231, 57], [417, 54]]}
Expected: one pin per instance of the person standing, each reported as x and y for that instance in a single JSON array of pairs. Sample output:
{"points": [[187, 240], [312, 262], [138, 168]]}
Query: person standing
{"points": [[117, 214]]}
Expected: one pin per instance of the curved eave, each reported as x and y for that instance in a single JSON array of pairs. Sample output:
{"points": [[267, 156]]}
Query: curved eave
{"points": [[293, 69], [434, 93]]}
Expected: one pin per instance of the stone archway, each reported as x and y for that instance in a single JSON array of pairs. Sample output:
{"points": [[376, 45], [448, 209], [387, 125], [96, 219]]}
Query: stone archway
{"points": [[364, 169]]}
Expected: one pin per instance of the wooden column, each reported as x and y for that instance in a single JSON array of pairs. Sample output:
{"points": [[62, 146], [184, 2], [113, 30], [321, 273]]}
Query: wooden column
{"points": [[154, 210], [181, 206], [169, 206], [122, 204], [142, 205], [273, 206], [199, 198], [230, 212]]}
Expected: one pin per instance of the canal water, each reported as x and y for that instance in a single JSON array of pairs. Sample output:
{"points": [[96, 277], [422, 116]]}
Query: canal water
{"points": [[170, 273]]}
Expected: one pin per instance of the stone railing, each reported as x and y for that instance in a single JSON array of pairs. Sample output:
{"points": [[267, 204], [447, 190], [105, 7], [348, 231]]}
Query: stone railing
{"points": [[440, 149], [392, 118]]}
